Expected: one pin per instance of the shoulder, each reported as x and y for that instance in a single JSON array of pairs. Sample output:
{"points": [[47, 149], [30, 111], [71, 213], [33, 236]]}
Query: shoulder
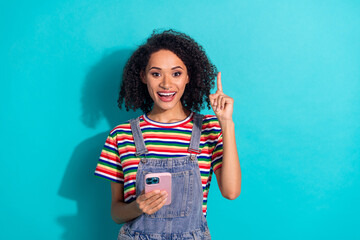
{"points": [[211, 121], [123, 128]]}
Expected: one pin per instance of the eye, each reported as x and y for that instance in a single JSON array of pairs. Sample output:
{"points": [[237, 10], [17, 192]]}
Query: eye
{"points": [[176, 74], [155, 74]]}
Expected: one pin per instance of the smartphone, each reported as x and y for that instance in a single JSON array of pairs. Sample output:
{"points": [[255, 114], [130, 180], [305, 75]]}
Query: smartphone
{"points": [[159, 181]]}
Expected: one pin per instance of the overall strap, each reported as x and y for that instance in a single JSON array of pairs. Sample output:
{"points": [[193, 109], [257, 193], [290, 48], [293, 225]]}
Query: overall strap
{"points": [[195, 135], [138, 137]]}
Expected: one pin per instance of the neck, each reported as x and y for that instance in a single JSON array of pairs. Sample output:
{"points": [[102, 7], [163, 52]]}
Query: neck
{"points": [[168, 116]]}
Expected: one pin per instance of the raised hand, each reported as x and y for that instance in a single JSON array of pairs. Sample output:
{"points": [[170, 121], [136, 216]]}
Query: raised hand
{"points": [[221, 103]]}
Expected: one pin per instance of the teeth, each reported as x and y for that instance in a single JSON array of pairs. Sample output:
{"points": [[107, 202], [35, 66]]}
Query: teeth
{"points": [[166, 94]]}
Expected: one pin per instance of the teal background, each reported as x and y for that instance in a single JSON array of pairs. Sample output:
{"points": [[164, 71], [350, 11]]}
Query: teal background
{"points": [[292, 67]]}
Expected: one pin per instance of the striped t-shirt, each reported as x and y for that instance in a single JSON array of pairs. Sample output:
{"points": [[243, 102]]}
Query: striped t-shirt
{"points": [[118, 162]]}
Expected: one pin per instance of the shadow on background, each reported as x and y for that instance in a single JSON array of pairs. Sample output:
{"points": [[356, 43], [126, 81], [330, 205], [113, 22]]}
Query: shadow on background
{"points": [[91, 194]]}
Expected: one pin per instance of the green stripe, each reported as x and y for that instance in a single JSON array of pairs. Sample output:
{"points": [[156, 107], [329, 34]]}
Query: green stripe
{"points": [[130, 171], [129, 187], [120, 132], [127, 144], [111, 166], [105, 149], [204, 174]]}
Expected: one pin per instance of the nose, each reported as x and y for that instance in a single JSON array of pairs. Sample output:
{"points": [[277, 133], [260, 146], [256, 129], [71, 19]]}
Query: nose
{"points": [[166, 82]]}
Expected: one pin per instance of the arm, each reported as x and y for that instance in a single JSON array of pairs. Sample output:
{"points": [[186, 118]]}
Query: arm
{"points": [[122, 212], [145, 203], [229, 175]]}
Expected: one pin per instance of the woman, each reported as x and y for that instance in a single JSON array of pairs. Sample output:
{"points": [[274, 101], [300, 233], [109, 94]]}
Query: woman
{"points": [[169, 78]]}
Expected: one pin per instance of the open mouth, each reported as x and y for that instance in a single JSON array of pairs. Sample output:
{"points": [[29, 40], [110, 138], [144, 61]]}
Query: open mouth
{"points": [[166, 96]]}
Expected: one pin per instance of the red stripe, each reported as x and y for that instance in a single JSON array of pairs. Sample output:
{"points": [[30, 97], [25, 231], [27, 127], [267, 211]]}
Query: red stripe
{"points": [[217, 167], [111, 142], [215, 155], [106, 155], [205, 166], [130, 177], [159, 149], [166, 136], [130, 162], [107, 171], [126, 137], [127, 150], [125, 126], [130, 193]]}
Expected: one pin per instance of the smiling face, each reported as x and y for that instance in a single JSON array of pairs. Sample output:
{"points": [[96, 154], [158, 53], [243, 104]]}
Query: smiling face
{"points": [[166, 77]]}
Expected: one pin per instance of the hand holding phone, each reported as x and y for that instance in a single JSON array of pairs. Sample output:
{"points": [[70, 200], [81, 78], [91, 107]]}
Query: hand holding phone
{"points": [[159, 181]]}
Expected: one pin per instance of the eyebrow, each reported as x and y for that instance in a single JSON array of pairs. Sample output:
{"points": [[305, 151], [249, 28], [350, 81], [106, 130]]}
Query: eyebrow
{"points": [[160, 68]]}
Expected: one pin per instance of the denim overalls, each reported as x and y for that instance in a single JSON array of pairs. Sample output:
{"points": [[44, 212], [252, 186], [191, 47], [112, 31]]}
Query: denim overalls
{"points": [[183, 218]]}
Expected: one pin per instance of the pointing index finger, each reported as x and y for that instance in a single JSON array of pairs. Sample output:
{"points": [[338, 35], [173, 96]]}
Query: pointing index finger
{"points": [[219, 85]]}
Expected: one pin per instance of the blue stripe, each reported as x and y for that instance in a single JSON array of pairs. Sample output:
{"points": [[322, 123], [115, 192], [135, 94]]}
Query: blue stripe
{"points": [[209, 119], [131, 168], [204, 172], [212, 130], [210, 144], [113, 149], [109, 163], [129, 184], [214, 162]]}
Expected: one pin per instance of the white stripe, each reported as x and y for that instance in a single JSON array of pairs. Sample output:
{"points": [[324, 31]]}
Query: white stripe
{"points": [[110, 161], [205, 155], [125, 141], [208, 141], [111, 146], [212, 128], [167, 124], [120, 129], [129, 183], [204, 170], [127, 153], [131, 196], [220, 156], [130, 166], [209, 117]]}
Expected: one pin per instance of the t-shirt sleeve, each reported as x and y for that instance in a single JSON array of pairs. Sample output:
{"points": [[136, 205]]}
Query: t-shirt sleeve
{"points": [[109, 164], [217, 155]]}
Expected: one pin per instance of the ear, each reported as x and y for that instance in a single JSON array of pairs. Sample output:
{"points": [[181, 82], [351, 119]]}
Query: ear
{"points": [[142, 76], [187, 79]]}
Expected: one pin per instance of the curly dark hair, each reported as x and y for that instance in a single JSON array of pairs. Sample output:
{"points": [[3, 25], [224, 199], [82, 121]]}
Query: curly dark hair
{"points": [[201, 72]]}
